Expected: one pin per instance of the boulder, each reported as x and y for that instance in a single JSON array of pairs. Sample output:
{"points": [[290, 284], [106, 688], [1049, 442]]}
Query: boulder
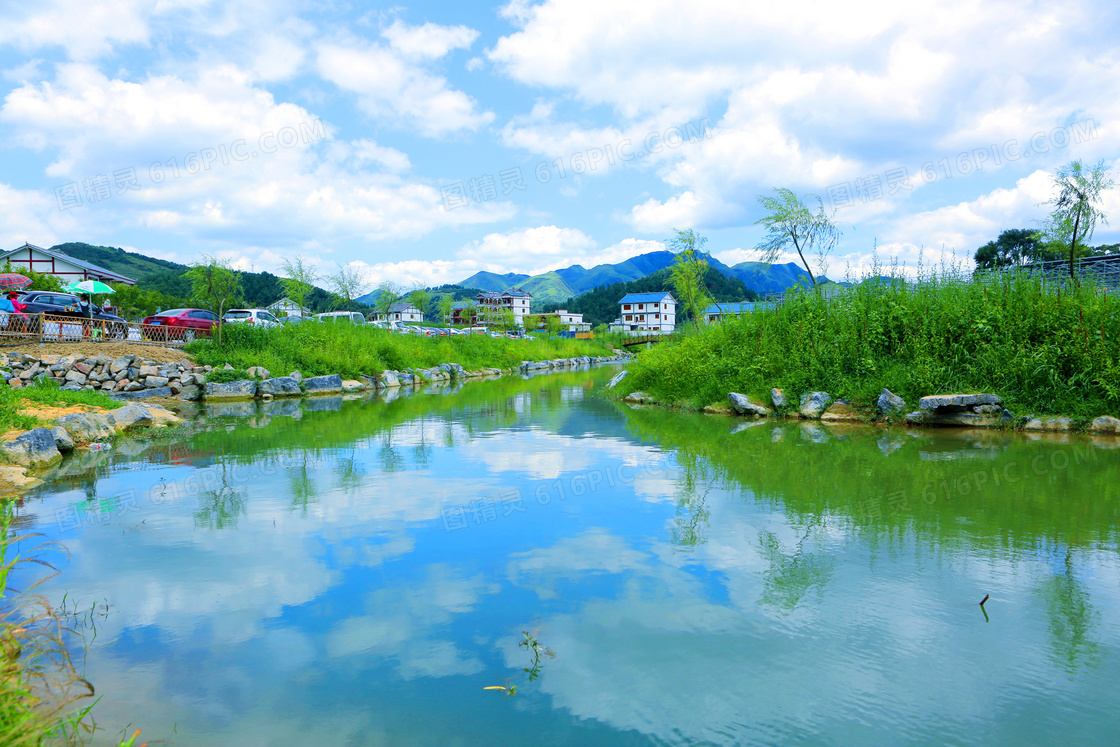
{"points": [[296, 375], [258, 372], [34, 447], [120, 365], [453, 369], [155, 382], [778, 399], [616, 379], [890, 403], [280, 386], [1104, 424], [743, 405], [62, 440], [841, 410], [232, 390], [87, 426], [318, 385], [190, 393], [129, 416], [161, 415], [76, 377], [146, 371], [640, 398], [1048, 424], [814, 404], [349, 386], [957, 401], [142, 393], [388, 379]]}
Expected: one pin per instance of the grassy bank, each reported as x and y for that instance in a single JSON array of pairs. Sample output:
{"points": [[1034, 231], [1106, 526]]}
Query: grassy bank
{"points": [[40, 396], [1044, 349], [318, 349]]}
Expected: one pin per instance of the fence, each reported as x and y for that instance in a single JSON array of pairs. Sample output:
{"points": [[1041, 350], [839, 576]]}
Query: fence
{"points": [[20, 328]]}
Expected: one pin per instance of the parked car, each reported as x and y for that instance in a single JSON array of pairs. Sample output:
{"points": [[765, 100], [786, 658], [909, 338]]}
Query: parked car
{"points": [[257, 317], [179, 324], [55, 303], [292, 319], [353, 317]]}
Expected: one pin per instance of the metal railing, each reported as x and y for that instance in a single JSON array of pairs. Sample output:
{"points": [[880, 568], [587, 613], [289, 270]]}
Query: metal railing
{"points": [[19, 328]]}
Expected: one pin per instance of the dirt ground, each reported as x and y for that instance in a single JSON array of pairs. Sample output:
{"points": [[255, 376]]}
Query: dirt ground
{"points": [[112, 349], [48, 413]]}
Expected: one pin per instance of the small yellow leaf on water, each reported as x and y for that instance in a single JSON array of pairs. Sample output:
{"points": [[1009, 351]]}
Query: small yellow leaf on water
{"points": [[494, 687]]}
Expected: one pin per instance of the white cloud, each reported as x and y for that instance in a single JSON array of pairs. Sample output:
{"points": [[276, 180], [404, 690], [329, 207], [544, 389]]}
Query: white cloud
{"points": [[84, 30], [430, 41]]}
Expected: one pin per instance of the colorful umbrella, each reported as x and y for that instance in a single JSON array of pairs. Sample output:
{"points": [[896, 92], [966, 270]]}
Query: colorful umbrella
{"points": [[90, 286], [10, 280]]}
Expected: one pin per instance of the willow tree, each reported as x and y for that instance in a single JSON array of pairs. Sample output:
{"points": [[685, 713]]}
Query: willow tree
{"points": [[1076, 206], [348, 283], [688, 271], [789, 222], [300, 280], [214, 284]]}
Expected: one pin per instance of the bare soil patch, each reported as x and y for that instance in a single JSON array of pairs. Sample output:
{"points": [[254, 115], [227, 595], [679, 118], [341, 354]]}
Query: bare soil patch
{"points": [[112, 349], [49, 413]]}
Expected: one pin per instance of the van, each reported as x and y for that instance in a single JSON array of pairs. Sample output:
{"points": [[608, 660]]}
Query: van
{"points": [[341, 317]]}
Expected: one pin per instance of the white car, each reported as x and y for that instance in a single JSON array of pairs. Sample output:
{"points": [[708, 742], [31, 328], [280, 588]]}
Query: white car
{"points": [[256, 317], [337, 317]]}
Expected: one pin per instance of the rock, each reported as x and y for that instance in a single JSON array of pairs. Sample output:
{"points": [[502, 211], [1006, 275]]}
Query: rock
{"points": [[35, 447], [161, 415], [318, 385], [27, 373], [453, 369], [120, 365], [1006, 418], [86, 426], [190, 393], [890, 403], [813, 404], [62, 440], [1104, 424], [232, 390], [718, 410], [349, 385], [1048, 424], [155, 382], [639, 398], [616, 379], [986, 409], [83, 367], [915, 418], [143, 393], [146, 371], [957, 401], [76, 377], [129, 416], [258, 372], [841, 410], [778, 399], [227, 367], [388, 379], [280, 386], [296, 375], [743, 405]]}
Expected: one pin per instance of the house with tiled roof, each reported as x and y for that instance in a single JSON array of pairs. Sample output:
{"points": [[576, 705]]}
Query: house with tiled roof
{"points": [[647, 312], [66, 268]]}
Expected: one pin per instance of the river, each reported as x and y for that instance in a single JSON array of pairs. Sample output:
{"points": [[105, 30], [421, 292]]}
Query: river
{"points": [[357, 573]]}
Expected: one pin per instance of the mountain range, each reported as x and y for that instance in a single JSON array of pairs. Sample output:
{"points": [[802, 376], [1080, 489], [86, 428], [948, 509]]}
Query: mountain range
{"points": [[557, 286]]}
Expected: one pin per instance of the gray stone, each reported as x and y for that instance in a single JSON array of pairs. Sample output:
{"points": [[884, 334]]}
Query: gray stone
{"points": [[1104, 424], [130, 416], [640, 398], [318, 385], [349, 386], [841, 410], [76, 377], [86, 426], [143, 393], [915, 418], [957, 401], [190, 393], [232, 390], [32, 448], [146, 371], [890, 403], [155, 382], [743, 405], [62, 440], [258, 372], [296, 375], [616, 379], [227, 367], [388, 379], [1049, 424], [280, 386], [814, 404], [778, 399], [120, 365], [454, 369]]}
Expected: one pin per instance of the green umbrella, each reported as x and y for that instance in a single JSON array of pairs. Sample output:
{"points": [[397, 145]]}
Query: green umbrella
{"points": [[90, 286]]}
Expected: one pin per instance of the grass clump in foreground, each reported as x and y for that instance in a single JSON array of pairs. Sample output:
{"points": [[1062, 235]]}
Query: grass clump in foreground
{"points": [[320, 349], [44, 394], [1043, 348]]}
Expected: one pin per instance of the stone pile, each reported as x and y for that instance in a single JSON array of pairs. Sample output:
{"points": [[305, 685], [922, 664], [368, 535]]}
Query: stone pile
{"points": [[128, 377]]}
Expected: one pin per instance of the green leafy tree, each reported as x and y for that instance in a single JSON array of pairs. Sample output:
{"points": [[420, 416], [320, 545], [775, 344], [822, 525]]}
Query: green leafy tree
{"points": [[214, 285], [790, 222], [688, 271], [300, 281], [1014, 247], [39, 280], [388, 293], [1077, 206], [347, 284], [445, 308], [421, 297]]}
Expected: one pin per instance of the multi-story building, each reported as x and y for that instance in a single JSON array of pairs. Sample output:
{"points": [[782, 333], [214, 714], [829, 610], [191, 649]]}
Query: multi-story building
{"points": [[647, 312], [492, 306], [403, 311]]}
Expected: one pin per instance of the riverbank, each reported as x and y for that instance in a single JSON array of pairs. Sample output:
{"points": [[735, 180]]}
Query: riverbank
{"points": [[1048, 354]]}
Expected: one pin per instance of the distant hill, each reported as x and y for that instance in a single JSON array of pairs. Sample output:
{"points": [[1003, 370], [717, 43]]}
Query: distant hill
{"points": [[489, 281], [600, 305], [163, 276], [766, 278]]}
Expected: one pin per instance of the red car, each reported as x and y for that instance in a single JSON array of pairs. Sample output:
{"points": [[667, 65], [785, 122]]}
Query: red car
{"points": [[180, 324]]}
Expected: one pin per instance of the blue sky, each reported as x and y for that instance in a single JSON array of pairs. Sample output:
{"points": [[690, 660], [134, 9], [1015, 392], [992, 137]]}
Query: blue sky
{"points": [[428, 141]]}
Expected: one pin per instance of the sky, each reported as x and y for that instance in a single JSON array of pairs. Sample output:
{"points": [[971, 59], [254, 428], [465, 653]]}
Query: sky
{"points": [[427, 141]]}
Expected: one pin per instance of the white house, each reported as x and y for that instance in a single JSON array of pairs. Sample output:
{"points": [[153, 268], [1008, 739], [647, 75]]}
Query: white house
{"points": [[717, 312], [66, 268], [285, 307], [491, 304], [647, 312], [568, 321], [404, 311]]}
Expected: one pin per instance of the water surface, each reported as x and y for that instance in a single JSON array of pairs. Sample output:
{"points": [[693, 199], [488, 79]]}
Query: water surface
{"points": [[355, 573]]}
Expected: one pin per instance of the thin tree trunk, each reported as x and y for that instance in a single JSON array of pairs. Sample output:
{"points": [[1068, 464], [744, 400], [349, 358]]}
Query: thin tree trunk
{"points": [[1073, 243], [799, 254]]}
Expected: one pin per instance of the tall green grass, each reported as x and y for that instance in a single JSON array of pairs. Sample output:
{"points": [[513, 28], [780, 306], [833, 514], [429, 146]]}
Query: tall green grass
{"points": [[318, 349], [44, 393], [1044, 349]]}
